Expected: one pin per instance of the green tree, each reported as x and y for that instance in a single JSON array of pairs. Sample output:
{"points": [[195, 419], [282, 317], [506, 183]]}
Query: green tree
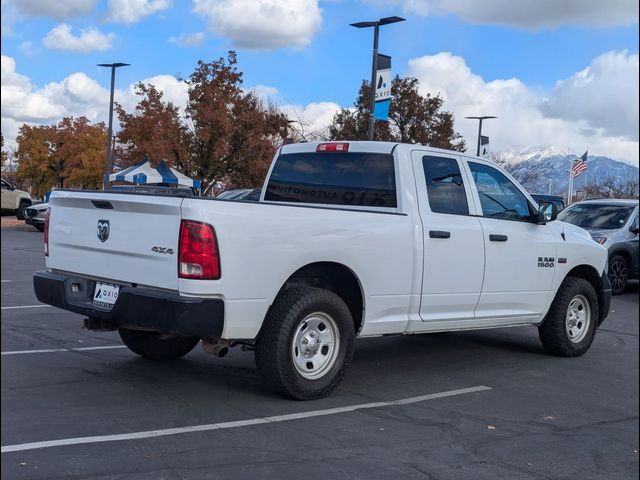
{"points": [[226, 136], [413, 118], [5, 157], [155, 129], [232, 134], [69, 154], [36, 147]]}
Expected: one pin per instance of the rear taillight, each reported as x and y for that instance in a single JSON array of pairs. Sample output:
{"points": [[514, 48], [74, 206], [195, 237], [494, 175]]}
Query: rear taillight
{"points": [[332, 147], [46, 232], [198, 255]]}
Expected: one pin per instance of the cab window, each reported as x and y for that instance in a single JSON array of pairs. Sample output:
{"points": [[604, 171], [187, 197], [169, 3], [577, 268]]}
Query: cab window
{"points": [[445, 188], [499, 197]]}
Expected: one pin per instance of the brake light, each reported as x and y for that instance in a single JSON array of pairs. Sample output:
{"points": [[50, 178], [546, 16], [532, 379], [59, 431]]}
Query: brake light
{"points": [[198, 255], [46, 232], [332, 147]]}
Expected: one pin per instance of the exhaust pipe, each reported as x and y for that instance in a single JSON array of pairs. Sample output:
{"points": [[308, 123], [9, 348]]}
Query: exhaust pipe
{"points": [[215, 347]]}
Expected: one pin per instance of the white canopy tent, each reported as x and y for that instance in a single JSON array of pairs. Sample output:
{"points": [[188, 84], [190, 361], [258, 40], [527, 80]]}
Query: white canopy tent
{"points": [[143, 173]]}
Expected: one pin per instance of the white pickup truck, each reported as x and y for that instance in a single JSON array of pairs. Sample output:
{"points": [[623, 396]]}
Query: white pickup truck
{"points": [[349, 239]]}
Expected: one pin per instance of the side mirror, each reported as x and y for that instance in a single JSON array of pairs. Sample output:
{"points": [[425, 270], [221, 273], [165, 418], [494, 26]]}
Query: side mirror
{"points": [[547, 212], [634, 229]]}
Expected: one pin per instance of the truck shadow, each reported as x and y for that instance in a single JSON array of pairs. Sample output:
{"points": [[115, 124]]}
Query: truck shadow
{"points": [[418, 359]]}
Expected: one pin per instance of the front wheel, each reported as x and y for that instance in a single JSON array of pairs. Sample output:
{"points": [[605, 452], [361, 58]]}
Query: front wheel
{"points": [[157, 345], [570, 326], [306, 343], [618, 274], [21, 213]]}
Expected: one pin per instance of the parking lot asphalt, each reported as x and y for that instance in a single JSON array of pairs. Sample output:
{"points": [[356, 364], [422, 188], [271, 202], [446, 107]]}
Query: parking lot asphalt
{"points": [[539, 417]]}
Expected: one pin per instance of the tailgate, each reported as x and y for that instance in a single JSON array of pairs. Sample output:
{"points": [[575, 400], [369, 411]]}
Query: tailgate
{"points": [[125, 238]]}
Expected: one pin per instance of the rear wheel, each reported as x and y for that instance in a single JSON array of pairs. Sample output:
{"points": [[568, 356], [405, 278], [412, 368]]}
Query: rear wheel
{"points": [[618, 274], [306, 343], [157, 345], [570, 326], [21, 214]]}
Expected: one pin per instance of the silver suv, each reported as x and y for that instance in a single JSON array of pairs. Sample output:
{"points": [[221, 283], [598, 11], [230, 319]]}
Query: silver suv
{"points": [[613, 224]]}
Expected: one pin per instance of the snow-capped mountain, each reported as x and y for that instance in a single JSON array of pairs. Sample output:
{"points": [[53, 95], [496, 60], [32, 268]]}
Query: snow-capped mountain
{"points": [[537, 167]]}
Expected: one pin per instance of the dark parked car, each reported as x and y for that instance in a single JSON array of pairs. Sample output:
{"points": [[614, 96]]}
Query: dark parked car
{"points": [[36, 214], [556, 199], [614, 225]]}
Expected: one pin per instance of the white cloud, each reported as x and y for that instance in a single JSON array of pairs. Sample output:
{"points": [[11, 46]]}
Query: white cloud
{"points": [[188, 39], [19, 101], [604, 95], [521, 120], [264, 92], [59, 10], [61, 37], [173, 90], [262, 24], [76, 95], [526, 13], [311, 121], [132, 11]]}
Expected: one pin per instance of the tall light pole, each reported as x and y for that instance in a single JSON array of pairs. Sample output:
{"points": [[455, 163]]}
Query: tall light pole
{"points": [[374, 66], [480, 129], [108, 164]]}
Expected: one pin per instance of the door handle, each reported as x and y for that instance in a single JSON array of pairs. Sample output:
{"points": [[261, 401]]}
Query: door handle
{"points": [[498, 238], [439, 234]]}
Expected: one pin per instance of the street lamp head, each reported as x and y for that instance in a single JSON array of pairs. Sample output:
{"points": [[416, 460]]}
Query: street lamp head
{"points": [[364, 24], [113, 65], [379, 23], [388, 20], [481, 118]]}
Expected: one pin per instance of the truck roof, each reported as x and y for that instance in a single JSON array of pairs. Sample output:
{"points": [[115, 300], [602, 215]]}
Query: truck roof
{"points": [[366, 146]]}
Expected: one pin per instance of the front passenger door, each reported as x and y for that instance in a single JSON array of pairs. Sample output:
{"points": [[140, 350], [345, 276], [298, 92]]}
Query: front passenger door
{"points": [[520, 254]]}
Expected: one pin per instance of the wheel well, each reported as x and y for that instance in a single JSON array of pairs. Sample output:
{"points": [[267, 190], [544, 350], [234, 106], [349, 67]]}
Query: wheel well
{"points": [[592, 276], [336, 278]]}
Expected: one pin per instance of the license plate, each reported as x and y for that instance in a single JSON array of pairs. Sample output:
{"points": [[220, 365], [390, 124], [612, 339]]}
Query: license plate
{"points": [[105, 294]]}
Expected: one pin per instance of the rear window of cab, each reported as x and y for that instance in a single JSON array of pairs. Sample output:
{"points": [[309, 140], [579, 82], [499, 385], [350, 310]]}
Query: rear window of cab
{"points": [[337, 178]]}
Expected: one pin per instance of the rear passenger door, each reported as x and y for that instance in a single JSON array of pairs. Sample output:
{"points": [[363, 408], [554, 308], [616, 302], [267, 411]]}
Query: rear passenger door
{"points": [[452, 239]]}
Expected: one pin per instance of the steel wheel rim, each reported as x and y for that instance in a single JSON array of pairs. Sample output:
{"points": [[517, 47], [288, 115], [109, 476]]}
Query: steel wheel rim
{"points": [[617, 274], [315, 345], [578, 318]]}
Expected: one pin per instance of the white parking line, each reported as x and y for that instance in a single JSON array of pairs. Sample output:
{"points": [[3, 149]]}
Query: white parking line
{"points": [[235, 424], [41, 305], [5, 281], [55, 350]]}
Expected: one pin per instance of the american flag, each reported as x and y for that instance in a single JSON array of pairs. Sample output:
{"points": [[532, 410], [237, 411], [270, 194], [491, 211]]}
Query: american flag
{"points": [[579, 165]]}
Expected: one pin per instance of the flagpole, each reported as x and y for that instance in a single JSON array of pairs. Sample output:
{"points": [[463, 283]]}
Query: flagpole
{"points": [[570, 194]]}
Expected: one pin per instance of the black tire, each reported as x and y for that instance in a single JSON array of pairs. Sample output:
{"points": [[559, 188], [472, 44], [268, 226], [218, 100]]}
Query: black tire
{"points": [[20, 213], [618, 274], [157, 345], [275, 350], [553, 332], [40, 228]]}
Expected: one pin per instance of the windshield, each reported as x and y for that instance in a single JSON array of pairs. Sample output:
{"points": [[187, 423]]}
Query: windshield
{"points": [[595, 216]]}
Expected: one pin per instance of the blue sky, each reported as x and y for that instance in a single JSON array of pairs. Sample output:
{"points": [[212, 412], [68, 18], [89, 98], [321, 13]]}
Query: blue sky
{"points": [[320, 59]]}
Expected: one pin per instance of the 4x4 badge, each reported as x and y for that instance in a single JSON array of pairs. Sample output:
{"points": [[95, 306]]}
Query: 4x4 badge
{"points": [[103, 230]]}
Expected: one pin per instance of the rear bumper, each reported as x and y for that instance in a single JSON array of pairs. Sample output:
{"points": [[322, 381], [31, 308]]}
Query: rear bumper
{"points": [[605, 298], [135, 307]]}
